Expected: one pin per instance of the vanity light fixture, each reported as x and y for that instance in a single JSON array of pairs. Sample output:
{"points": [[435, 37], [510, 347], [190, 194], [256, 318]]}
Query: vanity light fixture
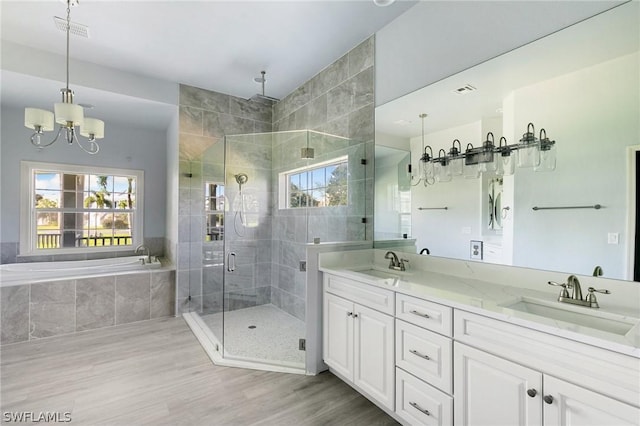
{"points": [[426, 163], [457, 160], [505, 163], [530, 151], [67, 114]]}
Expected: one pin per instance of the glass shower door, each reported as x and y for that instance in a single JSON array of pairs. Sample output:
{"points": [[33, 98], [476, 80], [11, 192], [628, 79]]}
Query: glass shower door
{"points": [[255, 326]]}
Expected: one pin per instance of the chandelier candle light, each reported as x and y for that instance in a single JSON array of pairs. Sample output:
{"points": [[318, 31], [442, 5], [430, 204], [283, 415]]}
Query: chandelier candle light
{"points": [[537, 153], [67, 114]]}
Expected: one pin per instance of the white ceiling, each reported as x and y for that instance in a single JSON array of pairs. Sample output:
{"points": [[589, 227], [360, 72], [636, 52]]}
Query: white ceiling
{"points": [[215, 45]]}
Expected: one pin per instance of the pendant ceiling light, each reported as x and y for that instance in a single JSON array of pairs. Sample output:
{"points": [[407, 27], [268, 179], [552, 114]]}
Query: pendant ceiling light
{"points": [[67, 114]]}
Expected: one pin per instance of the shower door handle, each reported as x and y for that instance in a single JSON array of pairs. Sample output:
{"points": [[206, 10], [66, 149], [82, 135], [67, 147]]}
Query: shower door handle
{"points": [[231, 261]]}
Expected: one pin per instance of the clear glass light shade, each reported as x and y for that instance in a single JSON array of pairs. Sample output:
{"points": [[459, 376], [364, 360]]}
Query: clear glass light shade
{"points": [[471, 171], [66, 112], [442, 172], [92, 126], [426, 170], [456, 166], [547, 160], [505, 165], [38, 117], [529, 156], [488, 167]]}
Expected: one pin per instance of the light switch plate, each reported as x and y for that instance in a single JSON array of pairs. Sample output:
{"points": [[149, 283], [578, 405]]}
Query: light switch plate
{"points": [[613, 238]]}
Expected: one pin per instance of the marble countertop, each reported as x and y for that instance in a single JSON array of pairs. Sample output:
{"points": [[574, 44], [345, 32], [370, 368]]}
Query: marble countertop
{"points": [[493, 300]]}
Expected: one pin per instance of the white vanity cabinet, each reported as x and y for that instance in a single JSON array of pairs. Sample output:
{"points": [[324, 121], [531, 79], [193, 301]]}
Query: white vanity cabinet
{"points": [[358, 340], [595, 387], [494, 391], [432, 364]]}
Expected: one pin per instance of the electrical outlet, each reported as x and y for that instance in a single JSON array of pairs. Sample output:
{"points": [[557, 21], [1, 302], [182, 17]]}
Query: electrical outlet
{"points": [[613, 238], [475, 250]]}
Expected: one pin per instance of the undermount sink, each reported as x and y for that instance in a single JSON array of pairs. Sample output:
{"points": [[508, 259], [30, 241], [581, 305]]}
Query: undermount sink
{"points": [[378, 273], [581, 316], [380, 276]]}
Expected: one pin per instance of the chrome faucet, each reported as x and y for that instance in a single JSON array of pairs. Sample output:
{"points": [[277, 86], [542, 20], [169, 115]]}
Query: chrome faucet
{"points": [[395, 263], [142, 248], [597, 271], [575, 298]]}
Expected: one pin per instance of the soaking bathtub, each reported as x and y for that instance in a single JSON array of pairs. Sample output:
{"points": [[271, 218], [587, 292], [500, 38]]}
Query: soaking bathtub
{"points": [[27, 273]]}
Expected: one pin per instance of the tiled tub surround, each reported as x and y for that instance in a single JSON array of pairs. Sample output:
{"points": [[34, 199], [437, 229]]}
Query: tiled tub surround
{"points": [[36, 310]]}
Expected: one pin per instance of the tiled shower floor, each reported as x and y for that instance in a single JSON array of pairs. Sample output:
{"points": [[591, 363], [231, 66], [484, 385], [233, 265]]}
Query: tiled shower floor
{"points": [[274, 338]]}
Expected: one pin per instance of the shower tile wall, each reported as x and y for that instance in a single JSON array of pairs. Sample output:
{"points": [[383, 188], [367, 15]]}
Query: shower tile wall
{"points": [[205, 117], [339, 101]]}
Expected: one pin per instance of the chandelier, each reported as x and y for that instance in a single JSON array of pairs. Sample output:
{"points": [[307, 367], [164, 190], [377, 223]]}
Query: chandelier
{"points": [[67, 114]]}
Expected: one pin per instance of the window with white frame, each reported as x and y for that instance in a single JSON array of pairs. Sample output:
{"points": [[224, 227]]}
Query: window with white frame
{"points": [[319, 185], [74, 209]]}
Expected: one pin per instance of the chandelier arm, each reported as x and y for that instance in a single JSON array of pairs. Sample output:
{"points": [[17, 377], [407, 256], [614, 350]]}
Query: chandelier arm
{"points": [[40, 146], [93, 145]]}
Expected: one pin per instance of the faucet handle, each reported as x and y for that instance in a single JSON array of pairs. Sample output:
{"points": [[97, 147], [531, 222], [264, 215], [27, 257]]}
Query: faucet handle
{"points": [[402, 264], [563, 292], [591, 297]]}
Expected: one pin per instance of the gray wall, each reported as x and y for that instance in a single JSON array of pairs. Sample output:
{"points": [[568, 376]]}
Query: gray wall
{"points": [[123, 147], [340, 101], [205, 117]]}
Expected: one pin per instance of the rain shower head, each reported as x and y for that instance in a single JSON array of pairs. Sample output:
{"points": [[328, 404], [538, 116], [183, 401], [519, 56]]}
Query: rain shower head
{"points": [[262, 97]]}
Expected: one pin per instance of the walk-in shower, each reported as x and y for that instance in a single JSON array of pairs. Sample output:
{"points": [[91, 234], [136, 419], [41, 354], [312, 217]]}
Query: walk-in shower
{"points": [[264, 203]]}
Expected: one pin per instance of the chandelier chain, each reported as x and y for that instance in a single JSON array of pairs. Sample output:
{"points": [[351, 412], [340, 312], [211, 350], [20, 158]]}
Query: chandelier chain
{"points": [[68, 31]]}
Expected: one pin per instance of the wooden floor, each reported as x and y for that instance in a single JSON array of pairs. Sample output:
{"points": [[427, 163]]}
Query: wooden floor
{"points": [[156, 373]]}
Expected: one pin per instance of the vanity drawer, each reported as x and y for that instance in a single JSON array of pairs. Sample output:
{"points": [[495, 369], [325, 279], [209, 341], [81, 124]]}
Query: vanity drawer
{"points": [[364, 294], [424, 354], [417, 403], [429, 315]]}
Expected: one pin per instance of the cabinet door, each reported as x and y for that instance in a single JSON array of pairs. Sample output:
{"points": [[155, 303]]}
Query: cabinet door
{"points": [[576, 406], [373, 350], [492, 391], [338, 335]]}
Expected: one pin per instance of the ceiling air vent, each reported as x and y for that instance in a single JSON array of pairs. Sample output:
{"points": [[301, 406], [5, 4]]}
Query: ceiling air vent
{"points": [[75, 28], [467, 88]]}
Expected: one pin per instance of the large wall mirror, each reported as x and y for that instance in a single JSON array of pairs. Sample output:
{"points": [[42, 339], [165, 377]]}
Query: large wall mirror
{"points": [[581, 85]]}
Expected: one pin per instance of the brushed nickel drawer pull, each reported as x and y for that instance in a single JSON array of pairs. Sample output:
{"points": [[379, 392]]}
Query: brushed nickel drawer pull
{"points": [[417, 407], [413, 351], [414, 312]]}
